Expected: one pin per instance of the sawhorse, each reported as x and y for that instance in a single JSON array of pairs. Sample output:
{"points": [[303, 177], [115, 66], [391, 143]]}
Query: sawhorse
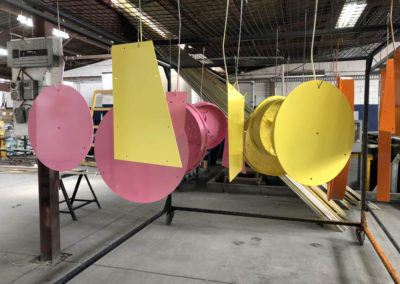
{"points": [[69, 201]]}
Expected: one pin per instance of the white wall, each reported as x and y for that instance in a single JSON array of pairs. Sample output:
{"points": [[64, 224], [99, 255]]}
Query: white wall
{"points": [[101, 78]]}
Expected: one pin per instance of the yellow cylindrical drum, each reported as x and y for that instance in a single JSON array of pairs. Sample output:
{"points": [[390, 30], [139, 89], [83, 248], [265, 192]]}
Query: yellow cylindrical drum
{"points": [[309, 135]]}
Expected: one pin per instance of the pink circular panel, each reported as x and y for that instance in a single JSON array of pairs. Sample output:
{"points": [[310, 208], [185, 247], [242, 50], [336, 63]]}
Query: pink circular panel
{"points": [[136, 182], [60, 127], [196, 132], [215, 122]]}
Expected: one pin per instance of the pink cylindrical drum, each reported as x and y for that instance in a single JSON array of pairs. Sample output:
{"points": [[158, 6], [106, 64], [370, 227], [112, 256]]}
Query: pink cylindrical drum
{"points": [[216, 123], [196, 132]]}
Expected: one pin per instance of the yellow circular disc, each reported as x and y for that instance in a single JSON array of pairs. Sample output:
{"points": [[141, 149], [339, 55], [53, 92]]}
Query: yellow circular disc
{"points": [[267, 126], [257, 158], [258, 115], [314, 132]]}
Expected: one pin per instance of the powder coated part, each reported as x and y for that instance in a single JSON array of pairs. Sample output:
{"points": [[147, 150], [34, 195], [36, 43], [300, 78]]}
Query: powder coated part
{"points": [[258, 158], [177, 104], [196, 132], [60, 127], [216, 123], [235, 131], [136, 182], [225, 156], [143, 129], [314, 132]]}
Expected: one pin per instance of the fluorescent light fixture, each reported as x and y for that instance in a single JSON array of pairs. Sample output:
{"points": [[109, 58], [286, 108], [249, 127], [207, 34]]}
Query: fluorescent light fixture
{"points": [[218, 69], [25, 20], [3, 52], [57, 32], [68, 83], [350, 14], [200, 57], [132, 10]]}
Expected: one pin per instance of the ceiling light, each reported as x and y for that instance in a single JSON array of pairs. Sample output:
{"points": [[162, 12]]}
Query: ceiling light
{"points": [[350, 14], [200, 57], [129, 8], [25, 20], [218, 69], [3, 52], [59, 33]]}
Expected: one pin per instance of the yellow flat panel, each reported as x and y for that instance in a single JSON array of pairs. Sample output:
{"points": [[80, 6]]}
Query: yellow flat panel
{"points": [[314, 132], [235, 131], [143, 130]]}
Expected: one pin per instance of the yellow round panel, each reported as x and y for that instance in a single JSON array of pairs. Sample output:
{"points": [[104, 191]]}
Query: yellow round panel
{"points": [[314, 132], [267, 126], [257, 158]]}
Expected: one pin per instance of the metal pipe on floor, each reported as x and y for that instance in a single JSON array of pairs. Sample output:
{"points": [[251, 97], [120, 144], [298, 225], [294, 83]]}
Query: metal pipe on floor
{"points": [[70, 275], [382, 255], [385, 230], [262, 216]]}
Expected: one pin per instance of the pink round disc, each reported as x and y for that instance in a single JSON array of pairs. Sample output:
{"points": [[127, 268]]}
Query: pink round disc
{"points": [[60, 127], [196, 132], [136, 182], [216, 123]]}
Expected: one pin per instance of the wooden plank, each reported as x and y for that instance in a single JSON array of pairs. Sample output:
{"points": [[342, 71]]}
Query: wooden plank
{"points": [[353, 192], [331, 203], [101, 109], [312, 201], [344, 202]]}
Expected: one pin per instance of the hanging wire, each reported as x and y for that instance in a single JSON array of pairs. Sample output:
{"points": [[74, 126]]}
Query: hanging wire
{"points": [[9, 26], [202, 74], [223, 41], [58, 17], [305, 38], [170, 52], [179, 47], [391, 24], [276, 52], [140, 20], [312, 41], [59, 28], [387, 38], [238, 49], [337, 59]]}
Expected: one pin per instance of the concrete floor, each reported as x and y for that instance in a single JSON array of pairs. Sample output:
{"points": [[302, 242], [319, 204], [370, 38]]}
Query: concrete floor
{"points": [[196, 248]]}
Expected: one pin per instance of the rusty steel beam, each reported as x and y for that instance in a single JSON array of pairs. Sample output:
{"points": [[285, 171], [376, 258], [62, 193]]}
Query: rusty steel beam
{"points": [[48, 213]]}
